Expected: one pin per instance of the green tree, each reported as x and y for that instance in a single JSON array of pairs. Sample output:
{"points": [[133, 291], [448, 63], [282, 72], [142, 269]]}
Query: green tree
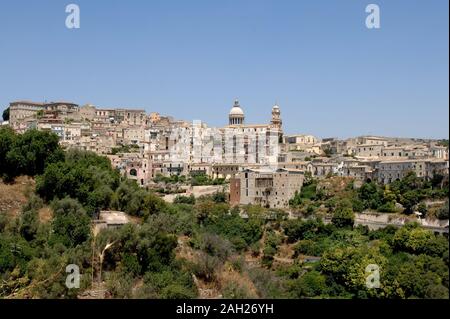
{"points": [[343, 217], [71, 225], [180, 199], [99, 198], [371, 195], [443, 211], [219, 197], [32, 151], [7, 139], [409, 276], [409, 200], [422, 208], [346, 266], [85, 176], [311, 284], [6, 114], [414, 239], [297, 229], [29, 223]]}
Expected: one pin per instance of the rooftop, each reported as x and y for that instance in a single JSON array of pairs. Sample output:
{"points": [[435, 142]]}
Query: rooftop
{"points": [[27, 102], [113, 217]]}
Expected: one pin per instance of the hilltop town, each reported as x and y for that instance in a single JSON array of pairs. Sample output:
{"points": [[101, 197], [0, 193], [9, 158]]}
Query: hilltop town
{"points": [[148, 206], [233, 157], [263, 165]]}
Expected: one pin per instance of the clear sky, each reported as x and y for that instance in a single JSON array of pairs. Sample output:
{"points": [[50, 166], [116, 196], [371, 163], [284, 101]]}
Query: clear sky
{"points": [[330, 75]]}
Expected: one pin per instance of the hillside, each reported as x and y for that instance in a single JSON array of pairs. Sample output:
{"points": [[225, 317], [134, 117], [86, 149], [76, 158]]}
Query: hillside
{"points": [[14, 195]]}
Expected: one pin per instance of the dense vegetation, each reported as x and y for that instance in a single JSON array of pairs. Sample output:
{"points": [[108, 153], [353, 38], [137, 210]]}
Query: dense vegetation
{"points": [[194, 179], [401, 196], [27, 154], [413, 262], [175, 250], [131, 148]]}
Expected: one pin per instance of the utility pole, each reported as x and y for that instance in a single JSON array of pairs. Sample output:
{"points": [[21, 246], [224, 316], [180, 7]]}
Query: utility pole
{"points": [[102, 255]]}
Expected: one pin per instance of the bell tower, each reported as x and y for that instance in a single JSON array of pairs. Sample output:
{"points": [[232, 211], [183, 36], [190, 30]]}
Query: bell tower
{"points": [[276, 121]]}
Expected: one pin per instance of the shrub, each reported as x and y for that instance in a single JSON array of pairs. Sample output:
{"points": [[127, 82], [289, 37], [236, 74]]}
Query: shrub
{"points": [[206, 266], [214, 245], [343, 217], [234, 290], [180, 199], [443, 211], [71, 225], [311, 284]]}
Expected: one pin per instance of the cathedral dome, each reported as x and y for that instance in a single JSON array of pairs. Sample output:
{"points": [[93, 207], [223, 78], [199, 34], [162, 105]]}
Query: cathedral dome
{"points": [[236, 109], [236, 116]]}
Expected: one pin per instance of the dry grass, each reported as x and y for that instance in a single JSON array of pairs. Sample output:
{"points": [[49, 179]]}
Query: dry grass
{"points": [[335, 185], [206, 290], [228, 275], [224, 275], [285, 251], [13, 196], [135, 219], [45, 214]]}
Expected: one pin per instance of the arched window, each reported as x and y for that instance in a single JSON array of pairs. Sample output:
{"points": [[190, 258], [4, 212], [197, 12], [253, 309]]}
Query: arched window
{"points": [[133, 172]]}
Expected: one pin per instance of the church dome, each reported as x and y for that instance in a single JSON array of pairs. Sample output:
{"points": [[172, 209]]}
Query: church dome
{"points": [[236, 109], [236, 116]]}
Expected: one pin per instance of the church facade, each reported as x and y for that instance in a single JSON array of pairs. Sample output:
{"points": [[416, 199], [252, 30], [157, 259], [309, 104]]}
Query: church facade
{"points": [[227, 149]]}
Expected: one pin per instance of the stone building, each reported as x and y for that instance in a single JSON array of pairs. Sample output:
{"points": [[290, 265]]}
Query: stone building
{"points": [[221, 170], [265, 187], [388, 171], [368, 150], [439, 151], [301, 139], [133, 166], [21, 110]]}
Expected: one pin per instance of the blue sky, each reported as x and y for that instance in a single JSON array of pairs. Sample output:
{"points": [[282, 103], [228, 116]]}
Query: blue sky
{"points": [[330, 74]]}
